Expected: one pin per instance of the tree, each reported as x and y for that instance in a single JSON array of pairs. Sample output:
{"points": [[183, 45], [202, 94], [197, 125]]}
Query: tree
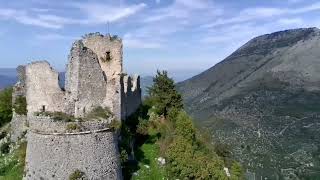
{"points": [[164, 95], [5, 106], [236, 171]]}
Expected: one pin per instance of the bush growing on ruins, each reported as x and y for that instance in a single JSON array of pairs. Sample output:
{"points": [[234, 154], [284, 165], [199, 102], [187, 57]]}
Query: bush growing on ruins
{"points": [[115, 125], [20, 105], [99, 113], [73, 127], [77, 175], [164, 95], [57, 116], [5, 106]]}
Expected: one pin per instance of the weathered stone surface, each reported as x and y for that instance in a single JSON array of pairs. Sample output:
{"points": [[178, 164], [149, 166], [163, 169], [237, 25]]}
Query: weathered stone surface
{"points": [[58, 156], [18, 122], [48, 125], [85, 81], [94, 78], [18, 127], [109, 52], [43, 92]]}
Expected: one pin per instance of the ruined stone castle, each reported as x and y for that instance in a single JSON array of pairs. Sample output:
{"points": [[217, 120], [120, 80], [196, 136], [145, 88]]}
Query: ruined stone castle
{"points": [[94, 78]]}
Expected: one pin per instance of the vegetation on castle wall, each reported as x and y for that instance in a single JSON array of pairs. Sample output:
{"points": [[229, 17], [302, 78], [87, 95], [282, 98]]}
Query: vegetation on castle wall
{"points": [[115, 125], [99, 113], [161, 129], [5, 106], [20, 105], [77, 175], [57, 116], [73, 127]]}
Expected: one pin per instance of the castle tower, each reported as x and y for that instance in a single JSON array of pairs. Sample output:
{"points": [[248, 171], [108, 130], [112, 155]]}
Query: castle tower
{"points": [[57, 148], [109, 52]]}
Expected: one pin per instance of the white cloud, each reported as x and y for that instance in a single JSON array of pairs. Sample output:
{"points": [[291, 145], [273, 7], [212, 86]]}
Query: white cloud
{"points": [[182, 9], [92, 13], [24, 17], [258, 13], [101, 13]]}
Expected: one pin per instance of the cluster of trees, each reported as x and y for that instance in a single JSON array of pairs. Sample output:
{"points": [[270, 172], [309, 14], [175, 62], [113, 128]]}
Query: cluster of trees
{"points": [[187, 155], [5, 106]]}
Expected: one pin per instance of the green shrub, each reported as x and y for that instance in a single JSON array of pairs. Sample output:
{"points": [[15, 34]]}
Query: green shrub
{"points": [[143, 127], [5, 148], [115, 125], [3, 134], [236, 171], [77, 175], [164, 95], [123, 156], [5, 106], [73, 127], [20, 105], [184, 127], [12, 164]]}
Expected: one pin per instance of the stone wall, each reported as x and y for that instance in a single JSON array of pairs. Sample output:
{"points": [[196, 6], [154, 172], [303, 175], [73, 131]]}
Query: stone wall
{"points": [[109, 52], [132, 94], [18, 127], [18, 122], [53, 155], [85, 81], [47, 125], [19, 87], [42, 88], [94, 78]]}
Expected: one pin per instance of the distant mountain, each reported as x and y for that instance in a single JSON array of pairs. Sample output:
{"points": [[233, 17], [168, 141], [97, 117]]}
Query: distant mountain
{"points": [[7, 77], [264, 101]]}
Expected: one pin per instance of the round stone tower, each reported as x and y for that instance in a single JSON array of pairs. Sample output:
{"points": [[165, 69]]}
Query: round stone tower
{"points": [[60, 150]]}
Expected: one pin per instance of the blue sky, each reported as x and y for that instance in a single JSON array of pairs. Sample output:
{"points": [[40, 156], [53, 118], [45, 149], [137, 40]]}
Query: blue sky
{"points": [[178, 35]]}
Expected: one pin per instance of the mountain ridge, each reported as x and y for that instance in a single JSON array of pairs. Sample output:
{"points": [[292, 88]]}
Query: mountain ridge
{"points": [[251, 98]]}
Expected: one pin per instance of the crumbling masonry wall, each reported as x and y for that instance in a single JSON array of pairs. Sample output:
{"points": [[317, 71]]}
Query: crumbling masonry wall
{"points": [[132, 94], [85, 81], [43, 92], [18, 121], [109, 52], [94, 78]]}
